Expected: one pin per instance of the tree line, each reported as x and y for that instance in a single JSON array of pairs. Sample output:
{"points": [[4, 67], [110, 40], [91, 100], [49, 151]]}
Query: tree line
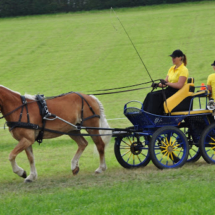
{"points": [[32, 7]]}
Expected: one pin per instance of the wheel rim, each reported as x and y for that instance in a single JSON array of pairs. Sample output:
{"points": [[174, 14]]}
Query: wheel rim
{"points": [[194, 152], [170, 149], [209, 144], [134, 151]]}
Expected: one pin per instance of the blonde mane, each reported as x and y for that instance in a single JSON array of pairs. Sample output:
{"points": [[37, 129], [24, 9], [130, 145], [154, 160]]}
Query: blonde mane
{"points": [[31, 97], [27, 96], [10, 89]]}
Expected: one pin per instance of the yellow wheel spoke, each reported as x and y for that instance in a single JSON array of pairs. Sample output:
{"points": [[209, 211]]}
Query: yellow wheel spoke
{"points": [[126, 152], [174, 154], [164, 151], [164, 155], [176, 150], [164, 143], [129, 157], [168, 157], [212, 139], [167, 141], [212, 143], [173, 143], [170, 141], [212, 148], [176, 145], [130, 141], [163, 147], [171, 156], [126, 143]]}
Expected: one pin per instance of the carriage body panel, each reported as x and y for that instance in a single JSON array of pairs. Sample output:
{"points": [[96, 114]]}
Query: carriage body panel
{"points": [[145, 120]]}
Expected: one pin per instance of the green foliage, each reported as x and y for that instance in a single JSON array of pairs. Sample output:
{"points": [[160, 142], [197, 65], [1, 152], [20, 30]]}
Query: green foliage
{"points": [[30, 7]]}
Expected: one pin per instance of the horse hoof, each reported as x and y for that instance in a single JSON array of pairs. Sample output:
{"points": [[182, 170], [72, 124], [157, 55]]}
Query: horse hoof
{"points": [[75, 171], [24, 175], [97, 172], [28, 181]]}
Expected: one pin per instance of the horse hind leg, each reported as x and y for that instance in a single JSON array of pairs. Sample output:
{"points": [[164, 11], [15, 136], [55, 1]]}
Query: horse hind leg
{"points": [[82, 144], [101, 149]]}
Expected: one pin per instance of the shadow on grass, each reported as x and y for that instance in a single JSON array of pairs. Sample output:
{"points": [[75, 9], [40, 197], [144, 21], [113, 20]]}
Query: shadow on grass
{"points": [[150, 174]]}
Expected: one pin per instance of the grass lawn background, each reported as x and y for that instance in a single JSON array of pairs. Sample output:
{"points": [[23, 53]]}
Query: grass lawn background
{"points": [[54, 54]]}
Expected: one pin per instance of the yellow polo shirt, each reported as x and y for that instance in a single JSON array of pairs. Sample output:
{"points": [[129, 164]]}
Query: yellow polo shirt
{"points": [[174, 74], [211, 82]]}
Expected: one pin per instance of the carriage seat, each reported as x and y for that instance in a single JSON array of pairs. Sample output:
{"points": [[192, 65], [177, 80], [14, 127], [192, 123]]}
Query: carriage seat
{"points": [[191, 112], [180, 103]]}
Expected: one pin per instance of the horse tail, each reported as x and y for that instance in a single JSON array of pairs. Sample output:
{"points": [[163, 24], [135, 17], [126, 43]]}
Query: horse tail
{"points": [[103, 123]]}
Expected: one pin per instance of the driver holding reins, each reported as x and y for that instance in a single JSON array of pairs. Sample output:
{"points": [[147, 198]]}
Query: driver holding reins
{"points": [[176, 78]]}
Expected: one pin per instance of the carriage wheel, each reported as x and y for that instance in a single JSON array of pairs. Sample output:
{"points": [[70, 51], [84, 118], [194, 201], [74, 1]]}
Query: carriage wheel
{"points": [[168, 148], [194, 151], [194, 154], [132, 151], [207, 144]]}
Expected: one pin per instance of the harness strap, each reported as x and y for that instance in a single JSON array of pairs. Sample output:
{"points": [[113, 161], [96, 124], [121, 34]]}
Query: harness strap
{"points": [[43, 112], [24, 102], [13, 125], [90, 117], [82, 110]]}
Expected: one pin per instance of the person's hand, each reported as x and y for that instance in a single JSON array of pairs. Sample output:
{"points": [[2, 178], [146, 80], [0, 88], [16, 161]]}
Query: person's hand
{"points": [[154, 85], [163, 82]]}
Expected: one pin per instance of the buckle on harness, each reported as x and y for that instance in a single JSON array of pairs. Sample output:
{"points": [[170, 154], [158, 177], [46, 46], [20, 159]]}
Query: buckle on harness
{"points": [[47, 116]]}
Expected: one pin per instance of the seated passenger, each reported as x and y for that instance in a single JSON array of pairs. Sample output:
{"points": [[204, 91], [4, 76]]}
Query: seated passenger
{"points": [[176, 78], [211, 82]]}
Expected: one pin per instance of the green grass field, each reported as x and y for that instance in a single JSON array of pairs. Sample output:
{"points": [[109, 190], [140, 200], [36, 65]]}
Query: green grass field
{"points": [[54, 54]]}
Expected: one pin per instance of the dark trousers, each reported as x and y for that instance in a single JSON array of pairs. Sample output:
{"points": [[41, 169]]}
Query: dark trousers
{"points": [[153, 102]]}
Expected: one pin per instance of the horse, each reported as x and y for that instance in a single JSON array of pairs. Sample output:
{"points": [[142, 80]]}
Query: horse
{"points": [[71, 107]]}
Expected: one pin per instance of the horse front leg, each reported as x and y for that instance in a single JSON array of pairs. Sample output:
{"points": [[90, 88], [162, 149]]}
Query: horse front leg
{"points": [[33, 173], [82, 144], [22, 145]]}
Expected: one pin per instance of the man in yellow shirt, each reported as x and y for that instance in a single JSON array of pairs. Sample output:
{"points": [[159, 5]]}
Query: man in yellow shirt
{"points": [[211, 82]]}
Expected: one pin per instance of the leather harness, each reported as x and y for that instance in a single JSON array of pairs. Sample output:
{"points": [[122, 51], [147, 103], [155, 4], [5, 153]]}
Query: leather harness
{"points": [[44, 112]]}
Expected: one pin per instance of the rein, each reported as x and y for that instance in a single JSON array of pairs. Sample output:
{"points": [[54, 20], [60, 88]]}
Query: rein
{"points": [[21, 106], [97, 94], [126, 86]]}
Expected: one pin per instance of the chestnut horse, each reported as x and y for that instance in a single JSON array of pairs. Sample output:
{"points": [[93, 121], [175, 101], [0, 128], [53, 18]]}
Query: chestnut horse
{"points": [[68, 107]]}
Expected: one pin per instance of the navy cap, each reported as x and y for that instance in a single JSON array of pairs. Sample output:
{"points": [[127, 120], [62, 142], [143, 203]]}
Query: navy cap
{"points": [[177, 53], [213, 64]]}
